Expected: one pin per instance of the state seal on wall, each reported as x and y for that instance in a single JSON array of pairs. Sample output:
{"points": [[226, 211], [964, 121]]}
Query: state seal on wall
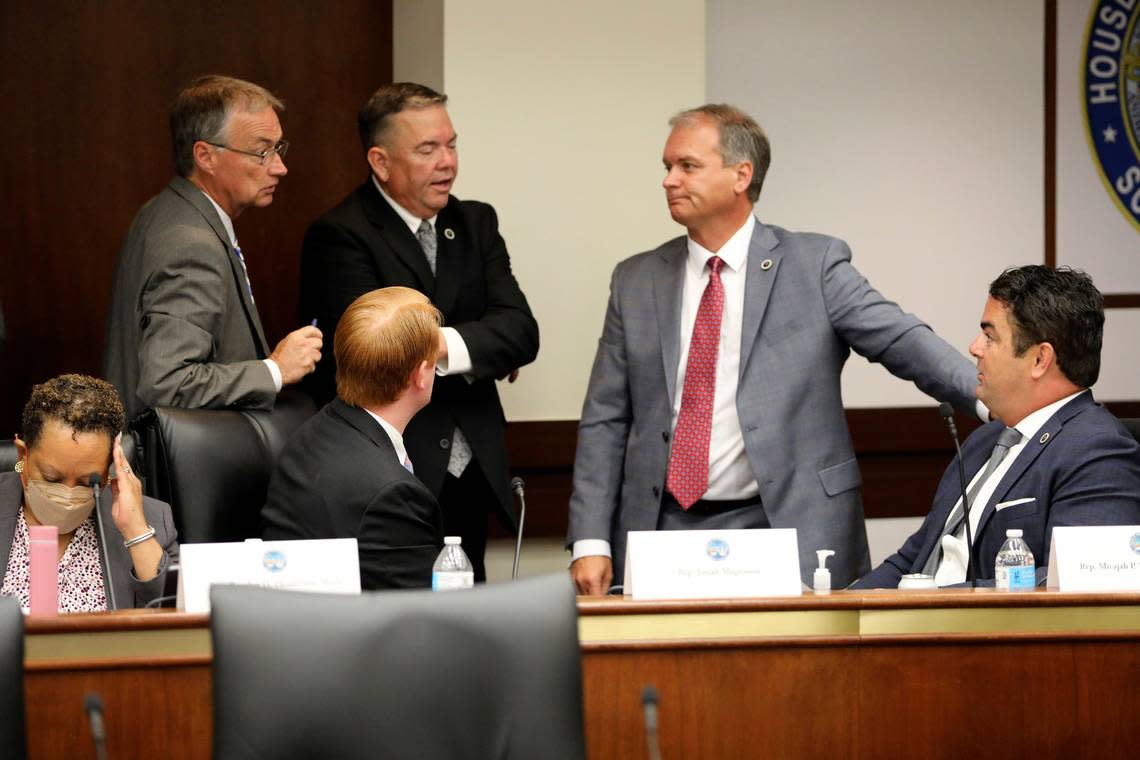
{"points": [[1110, 84]]}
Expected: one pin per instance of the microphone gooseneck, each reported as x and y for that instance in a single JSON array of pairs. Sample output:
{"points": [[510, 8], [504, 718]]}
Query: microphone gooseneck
{"points": [[93, 706], [947, 412], [108, 584], [519, 488], [649, 713]]}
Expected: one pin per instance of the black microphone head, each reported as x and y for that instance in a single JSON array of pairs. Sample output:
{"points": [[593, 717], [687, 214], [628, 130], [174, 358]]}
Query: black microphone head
{"points": [[517, 484], [92, 702], [946, 409], [94, 481], [649, 695]]}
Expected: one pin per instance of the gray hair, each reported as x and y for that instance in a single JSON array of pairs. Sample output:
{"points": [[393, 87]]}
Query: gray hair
{"points": [[202, 109], [741, 139]]}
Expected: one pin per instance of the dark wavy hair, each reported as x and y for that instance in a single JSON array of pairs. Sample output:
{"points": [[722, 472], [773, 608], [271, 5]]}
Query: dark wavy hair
{"points": [[84, 404], [1059, 306]]}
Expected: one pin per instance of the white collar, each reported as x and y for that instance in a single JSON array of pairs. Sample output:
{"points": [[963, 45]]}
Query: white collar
{"points": [[226, 221], [409, 218], [733, 253], [393, 435], [1033, 422]]}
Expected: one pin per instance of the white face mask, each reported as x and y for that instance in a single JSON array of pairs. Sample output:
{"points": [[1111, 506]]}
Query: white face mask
{"points": [[56, 504]]}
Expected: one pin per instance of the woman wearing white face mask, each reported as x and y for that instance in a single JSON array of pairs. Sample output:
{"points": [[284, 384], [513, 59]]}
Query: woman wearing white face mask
{"points": [[71, 426]]}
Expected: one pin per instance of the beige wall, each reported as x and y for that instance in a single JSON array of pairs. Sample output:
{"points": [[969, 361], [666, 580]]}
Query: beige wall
{"points": [[561, 111], [913, 129]]}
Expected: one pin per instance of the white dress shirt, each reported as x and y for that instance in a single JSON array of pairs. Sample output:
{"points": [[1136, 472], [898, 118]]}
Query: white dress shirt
{"points": [[393, 435], [952, 568], [458, 359], [730, 475]]}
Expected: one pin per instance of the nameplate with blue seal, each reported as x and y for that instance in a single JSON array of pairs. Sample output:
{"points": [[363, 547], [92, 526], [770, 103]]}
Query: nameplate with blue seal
{"points": [[709, 564], [1095, 558], [331, 566]]}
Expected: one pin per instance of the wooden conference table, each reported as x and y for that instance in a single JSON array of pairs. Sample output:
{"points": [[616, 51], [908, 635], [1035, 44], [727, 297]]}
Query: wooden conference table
{"points": [[948, 673]]}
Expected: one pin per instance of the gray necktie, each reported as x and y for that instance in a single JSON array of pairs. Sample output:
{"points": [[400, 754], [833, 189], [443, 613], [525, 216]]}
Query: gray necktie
{"points": [[1009, 438], [460, 455], [425, 235]]}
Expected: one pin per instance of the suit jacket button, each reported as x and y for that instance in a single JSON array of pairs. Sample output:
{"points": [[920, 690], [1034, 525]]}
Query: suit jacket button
{"points": [[656, 492], [665, 436], [444, 443]]}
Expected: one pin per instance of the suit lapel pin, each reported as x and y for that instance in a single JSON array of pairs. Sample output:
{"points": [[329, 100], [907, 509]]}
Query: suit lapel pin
{"points": [[766, 264], [449, 233], [1044, 438]]}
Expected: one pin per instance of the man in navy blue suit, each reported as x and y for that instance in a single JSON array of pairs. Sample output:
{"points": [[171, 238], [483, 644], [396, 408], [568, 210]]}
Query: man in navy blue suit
{"points": [[1053, 456]]}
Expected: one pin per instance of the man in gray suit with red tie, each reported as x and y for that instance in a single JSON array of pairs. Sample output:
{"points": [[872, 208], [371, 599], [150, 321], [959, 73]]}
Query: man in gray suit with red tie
{"points": [[183, 328], [714, 400]]}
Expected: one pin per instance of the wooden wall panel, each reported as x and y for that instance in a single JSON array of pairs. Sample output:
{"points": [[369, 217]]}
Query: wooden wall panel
{"points": [[754, 691], [86, 87], [902, 454], [146, 708]]}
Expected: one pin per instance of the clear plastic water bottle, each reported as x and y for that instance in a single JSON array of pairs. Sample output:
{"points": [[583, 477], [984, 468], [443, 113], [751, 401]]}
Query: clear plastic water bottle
{"points": [[1014, 569], [452, 569]]}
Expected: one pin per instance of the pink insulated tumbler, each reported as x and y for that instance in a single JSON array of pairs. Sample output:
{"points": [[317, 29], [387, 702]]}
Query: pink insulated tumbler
{"points": [[44, 572]]}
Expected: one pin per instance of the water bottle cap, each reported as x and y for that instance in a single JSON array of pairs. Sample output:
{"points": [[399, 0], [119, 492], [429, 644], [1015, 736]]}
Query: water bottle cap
{"points": [[1013, 533], [452, 540]]}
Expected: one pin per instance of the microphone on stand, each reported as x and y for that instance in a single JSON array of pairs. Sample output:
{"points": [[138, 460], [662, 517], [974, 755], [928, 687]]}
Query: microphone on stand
{"points": [[947, 412], [519, 488], [649, 712], [93, 705], [108, 583]]}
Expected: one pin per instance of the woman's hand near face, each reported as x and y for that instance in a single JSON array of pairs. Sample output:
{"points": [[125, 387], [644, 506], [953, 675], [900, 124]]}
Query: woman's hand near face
{"points": [[127, 512], [126, 509]]}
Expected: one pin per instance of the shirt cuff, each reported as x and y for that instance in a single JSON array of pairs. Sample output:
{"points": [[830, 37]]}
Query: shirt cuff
{"points": [[458, 359], [276, 372], [590, 547], [982, 410]]}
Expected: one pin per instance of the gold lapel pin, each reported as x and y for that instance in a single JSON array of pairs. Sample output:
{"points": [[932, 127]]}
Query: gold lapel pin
{"points": [[1044, 438], [449, 233], [766, 264]]}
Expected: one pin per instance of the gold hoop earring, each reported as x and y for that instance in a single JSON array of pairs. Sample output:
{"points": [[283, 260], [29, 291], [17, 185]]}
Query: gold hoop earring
{"points": [[19, 465]]}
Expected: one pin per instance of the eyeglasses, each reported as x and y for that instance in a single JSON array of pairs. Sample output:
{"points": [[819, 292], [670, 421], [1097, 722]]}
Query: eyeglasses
{"points": [[262, 156]]}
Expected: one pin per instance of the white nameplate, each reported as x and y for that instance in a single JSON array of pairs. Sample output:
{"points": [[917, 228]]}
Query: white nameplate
{"points": [[705, 564], [1095, 558], [330, 565]]}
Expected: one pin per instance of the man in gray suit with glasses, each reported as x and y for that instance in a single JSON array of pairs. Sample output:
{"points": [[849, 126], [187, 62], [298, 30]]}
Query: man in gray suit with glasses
{"points": [[714, 400], [183, 328]]}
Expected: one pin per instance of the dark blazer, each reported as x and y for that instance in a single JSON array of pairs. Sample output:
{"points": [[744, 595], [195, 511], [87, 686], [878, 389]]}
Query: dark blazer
{"points": [[361, 245], [805, 309], [338, 477], [182, 330], [1082, 468], [129, 590]]}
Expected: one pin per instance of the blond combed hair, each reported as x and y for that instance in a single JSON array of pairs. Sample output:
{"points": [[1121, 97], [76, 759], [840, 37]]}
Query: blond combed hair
{"points": [[383, 336]]}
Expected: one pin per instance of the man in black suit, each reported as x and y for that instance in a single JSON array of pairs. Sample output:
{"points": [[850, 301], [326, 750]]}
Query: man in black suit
{"points": [[346, 472], [402, 227]]}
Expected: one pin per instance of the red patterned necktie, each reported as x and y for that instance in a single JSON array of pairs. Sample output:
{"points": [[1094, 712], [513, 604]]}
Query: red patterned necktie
{"points": [[689, 458]]}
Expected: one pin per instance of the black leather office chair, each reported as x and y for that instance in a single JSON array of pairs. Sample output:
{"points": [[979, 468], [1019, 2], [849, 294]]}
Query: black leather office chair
{"points": [[494, 672], [213, 466], [9, 454], [1133, 425], [12, 729]]}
